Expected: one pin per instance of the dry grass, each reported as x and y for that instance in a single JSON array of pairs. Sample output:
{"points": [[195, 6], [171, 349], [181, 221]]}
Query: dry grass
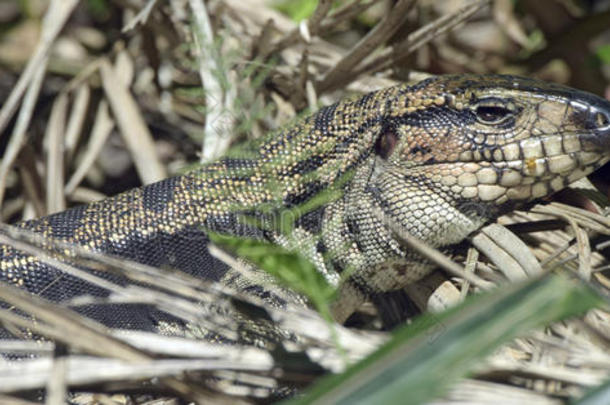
{"points": [[114, 96]]}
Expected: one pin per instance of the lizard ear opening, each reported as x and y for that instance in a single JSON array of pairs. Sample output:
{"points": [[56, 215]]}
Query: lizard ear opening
{"points": [[386, 142]]}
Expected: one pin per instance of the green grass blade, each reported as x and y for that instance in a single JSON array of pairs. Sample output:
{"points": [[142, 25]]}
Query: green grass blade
{"points": [[423, 359]]}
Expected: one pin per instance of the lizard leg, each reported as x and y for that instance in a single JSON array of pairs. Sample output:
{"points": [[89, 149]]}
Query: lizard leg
{"points": [[349, 298]]}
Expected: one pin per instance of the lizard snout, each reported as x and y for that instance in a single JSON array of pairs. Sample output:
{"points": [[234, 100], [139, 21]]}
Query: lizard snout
{"points": [[596, 117], [600, 119]]}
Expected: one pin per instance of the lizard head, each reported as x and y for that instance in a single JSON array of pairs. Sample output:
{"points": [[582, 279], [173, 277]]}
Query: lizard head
{"points": [[497, 140]]}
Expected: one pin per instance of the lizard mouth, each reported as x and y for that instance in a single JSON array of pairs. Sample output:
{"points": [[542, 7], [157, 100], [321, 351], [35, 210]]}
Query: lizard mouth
{"points": [[597, 140], [594, 142], [524, 170]]}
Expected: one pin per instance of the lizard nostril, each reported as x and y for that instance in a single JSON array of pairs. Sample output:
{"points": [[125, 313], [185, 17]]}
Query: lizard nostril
{"points": [[599, 122], [601, 119]]}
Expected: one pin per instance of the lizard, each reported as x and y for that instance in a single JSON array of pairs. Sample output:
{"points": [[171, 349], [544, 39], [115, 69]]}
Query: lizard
{"points": [[441, 158]]}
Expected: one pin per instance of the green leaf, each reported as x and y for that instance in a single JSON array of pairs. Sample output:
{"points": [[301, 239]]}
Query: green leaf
{"points": [[603, 53], [425, 358], [290, 268], [296, 9], [100, 9]]}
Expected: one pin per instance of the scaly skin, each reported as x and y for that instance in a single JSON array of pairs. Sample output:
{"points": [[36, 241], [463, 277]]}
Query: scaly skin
{"points": [[441, 158]]}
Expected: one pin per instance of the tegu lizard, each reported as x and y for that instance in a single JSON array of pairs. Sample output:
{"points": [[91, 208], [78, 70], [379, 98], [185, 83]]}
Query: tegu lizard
{"points": [[440, 158]]}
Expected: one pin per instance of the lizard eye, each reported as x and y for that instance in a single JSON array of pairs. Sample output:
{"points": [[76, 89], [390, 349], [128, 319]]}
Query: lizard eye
{"points": [[493, 111]]}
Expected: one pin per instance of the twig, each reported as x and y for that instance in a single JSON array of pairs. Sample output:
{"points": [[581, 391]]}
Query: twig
{"points": [[346, 12], [141, 17], [513, 246], [56, 388], [133, 128], [602, 245], [588, 219], [219, 122], [31, 182], [77, 119], [54, 136], [536, 226], [64, 325], [102, 128], [54, 20], [6, 400], [386, 58], [325, 25], [74, 330], [31, 78], [582, 239], [499, 257], [341, 73], [86, 370], [312, 26], [545, 263], [23, 119], [470, 266]]}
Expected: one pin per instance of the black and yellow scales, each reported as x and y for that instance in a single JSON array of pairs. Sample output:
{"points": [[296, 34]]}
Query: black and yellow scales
{"points": [[440, 158]]}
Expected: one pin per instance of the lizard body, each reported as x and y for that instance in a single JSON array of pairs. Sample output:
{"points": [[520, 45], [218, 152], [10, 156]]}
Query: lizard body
{"points": [[440, 158]]}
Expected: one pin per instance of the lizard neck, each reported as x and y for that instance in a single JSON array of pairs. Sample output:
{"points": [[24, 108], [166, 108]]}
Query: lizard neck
{"points": [[292, 166]]}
